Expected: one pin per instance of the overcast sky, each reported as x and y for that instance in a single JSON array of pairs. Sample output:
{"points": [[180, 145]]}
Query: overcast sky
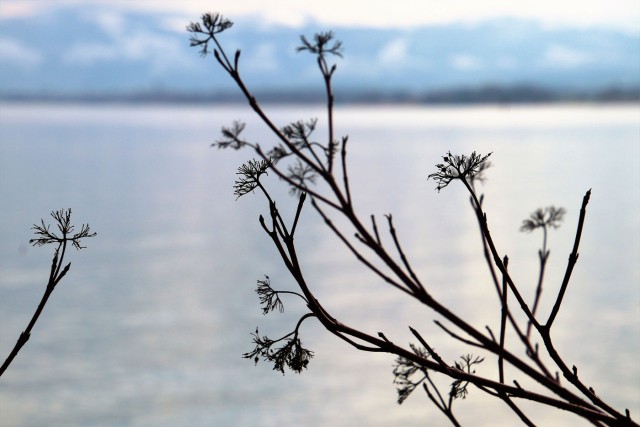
{"points": [[395, 13]]}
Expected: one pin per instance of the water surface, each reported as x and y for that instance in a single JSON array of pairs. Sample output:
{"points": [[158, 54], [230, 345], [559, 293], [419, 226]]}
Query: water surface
{"points": [[149, 325]]}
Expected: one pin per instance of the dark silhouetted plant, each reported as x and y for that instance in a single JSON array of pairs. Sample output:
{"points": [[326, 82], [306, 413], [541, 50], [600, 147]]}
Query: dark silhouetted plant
{"points": [[317, 170], [61, 238]]}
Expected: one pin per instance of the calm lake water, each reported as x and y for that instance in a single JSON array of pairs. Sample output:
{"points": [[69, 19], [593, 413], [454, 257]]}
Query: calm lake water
{"points": [[148, 327]]}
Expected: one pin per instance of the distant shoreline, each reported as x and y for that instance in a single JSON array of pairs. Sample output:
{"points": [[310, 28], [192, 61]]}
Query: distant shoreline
{"points": [[512, 95]]}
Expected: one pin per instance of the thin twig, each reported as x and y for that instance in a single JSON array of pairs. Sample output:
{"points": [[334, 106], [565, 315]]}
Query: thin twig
{"points": [[356, 253], [303, 196], [573, 258], [503, 323], [403, 257]]}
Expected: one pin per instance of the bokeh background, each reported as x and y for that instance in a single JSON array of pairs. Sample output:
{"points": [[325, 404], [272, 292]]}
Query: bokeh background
{"points": [[104, 108]]}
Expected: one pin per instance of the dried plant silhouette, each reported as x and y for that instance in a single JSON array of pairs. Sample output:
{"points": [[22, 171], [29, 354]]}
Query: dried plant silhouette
{"points": [[63, 237], [316, 170]]}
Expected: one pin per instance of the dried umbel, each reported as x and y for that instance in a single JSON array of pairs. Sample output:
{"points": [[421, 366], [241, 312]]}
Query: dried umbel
{"points": [[213, 23], [549, 217], [45, 236], [250, 174], [291, 355], [462, 167]]}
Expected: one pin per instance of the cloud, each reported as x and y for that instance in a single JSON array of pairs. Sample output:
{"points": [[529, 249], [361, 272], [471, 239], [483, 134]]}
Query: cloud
{"points": [[161, 53], [122, 39], [506, 63], [559, 56], [175, 23], [111, 22], [87, 53], [263, 57], [615, 13], [12, 10], [17, 53], [465, 62], [365, 13], [393, 53]]}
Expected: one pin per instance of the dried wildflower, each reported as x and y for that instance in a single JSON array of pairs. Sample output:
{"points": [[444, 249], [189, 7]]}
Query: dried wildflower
{"points": [[301, 174], [231, 136], [405, 371], [250, 173], [543, 218], [63, 219], [278, 152], [459, 387], [320, 45], [268, 297], [459, 167], [291, 355], [299, 132], [213, 23]]}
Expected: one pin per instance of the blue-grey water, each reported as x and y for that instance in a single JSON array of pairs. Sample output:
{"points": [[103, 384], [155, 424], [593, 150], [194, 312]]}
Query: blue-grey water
{"points": [[148, 327]]}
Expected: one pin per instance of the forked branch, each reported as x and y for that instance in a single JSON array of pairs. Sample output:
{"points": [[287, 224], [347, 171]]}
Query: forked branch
{"points": [[44, 236]]}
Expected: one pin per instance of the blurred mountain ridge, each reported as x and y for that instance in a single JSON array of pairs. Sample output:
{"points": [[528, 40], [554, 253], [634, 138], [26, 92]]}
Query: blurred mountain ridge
{"points": [[107, 53]]}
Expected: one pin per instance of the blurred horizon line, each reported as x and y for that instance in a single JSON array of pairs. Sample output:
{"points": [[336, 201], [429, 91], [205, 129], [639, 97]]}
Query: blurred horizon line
{"points": [[463, 94]]}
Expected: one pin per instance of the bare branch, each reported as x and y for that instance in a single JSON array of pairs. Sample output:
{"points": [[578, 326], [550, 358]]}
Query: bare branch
{"points": [[45, 236]]}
